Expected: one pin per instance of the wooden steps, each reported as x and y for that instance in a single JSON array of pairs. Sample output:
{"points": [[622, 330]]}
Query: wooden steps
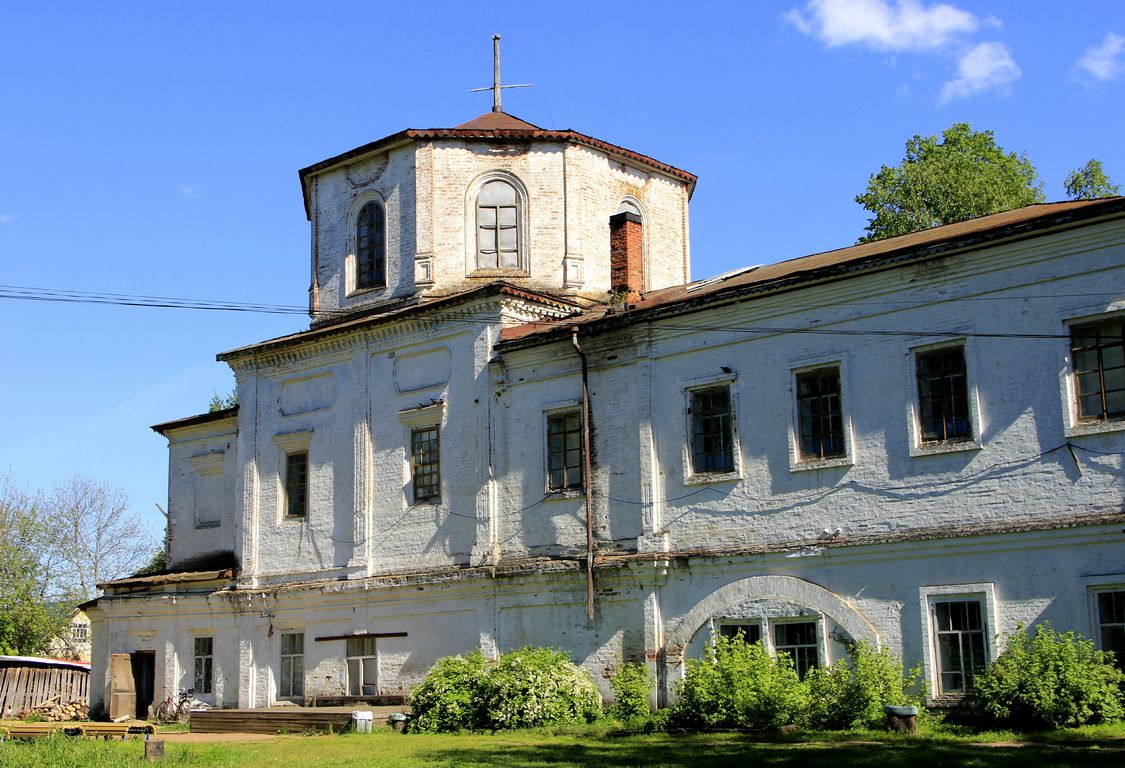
{"points": [[294, 720], [104, 730]]}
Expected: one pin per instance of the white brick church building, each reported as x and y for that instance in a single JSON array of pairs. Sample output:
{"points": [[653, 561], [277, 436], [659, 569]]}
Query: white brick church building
{"points": [[513, 420]]}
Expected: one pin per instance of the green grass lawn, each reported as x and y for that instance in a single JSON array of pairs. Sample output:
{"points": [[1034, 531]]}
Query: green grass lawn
{"points": [[1084, 747]]}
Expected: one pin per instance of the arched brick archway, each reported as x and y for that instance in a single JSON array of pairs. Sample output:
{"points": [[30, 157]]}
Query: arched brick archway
{"points": [[788, 588]]}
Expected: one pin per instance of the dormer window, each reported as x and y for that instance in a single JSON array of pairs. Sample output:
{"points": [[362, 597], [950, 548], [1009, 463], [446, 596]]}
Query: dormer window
{"points": [[370, 247], [498, 226]]}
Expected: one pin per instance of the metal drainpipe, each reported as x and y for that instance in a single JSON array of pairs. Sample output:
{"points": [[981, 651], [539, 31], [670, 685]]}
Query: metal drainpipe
{"points": [[588, 476]]}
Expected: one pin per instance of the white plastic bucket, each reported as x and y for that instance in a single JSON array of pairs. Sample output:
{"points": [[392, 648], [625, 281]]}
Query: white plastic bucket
{"points": [[362, 719]]}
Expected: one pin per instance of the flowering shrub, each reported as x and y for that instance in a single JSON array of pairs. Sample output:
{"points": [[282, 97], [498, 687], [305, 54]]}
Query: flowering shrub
{"points": [[523, 689], [739, 685], [537, 686], [1051, 680]]}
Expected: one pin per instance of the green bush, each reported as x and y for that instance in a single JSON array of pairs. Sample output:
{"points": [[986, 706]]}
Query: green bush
{"points": [[1051, 680], [631, 684], [446, 699], [852, 692], [523, 689], [739, 685], [533, 687]]}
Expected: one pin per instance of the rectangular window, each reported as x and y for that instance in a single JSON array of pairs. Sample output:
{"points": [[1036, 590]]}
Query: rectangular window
{"points": [[798, 639], [819, 414], [564, 451], [750, 632], [425, 471], [296, 484], [943, 396], [1098, 354], [363, 667], [712, 440], [204, 664], [292, 683], [79, 632], [1111, 625], [960, 637]]}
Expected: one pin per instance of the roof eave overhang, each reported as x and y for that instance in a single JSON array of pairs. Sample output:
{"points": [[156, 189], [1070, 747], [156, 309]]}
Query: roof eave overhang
{"points": [[411, 311], [197, 420]]}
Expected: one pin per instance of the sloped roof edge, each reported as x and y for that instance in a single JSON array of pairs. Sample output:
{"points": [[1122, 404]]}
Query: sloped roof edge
{"points": [[191, 421], [469, 131], [973, 233], [352, 323]]}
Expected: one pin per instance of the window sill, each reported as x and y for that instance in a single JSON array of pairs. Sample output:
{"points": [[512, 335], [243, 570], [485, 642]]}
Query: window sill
{"points": [[294, 518], [804, 465], [1096, 427], [950, 446], [488, 273], [563, 494], [706, 478], [357, 292]]}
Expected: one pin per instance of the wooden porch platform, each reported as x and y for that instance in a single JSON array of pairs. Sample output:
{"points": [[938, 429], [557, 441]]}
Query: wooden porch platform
{"points": [[283, 719]]}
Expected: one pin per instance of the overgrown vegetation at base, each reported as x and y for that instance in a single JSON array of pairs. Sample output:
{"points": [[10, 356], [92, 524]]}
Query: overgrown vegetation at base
{"points": [[1051, 680], [527, 688], [739, 685], [632, 684], [852, 692]]}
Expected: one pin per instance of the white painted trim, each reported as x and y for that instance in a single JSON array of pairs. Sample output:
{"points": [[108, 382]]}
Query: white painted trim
{"points": [[985, 592]]}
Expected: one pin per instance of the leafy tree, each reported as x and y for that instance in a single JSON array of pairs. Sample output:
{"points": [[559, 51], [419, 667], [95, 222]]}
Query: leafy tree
{"points": [[1090, 182], [962, 175], [29, 616]]}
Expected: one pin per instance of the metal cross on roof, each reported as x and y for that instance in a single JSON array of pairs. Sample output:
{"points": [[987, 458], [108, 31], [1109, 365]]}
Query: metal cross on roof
{"points": [[496, 87]]}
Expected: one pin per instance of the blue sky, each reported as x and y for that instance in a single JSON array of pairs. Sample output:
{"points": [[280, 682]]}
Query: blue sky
{"points": [[152, 148]]}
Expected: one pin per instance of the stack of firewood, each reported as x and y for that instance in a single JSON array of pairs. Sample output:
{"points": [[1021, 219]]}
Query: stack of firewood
{"points": [[58, 711]]}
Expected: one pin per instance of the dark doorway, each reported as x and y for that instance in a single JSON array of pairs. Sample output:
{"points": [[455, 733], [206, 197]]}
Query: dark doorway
{"points": [[144, 678]]}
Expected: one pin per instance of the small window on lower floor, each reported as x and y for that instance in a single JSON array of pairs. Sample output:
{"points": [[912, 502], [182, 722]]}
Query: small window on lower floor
{"points": [[798, 639], [750, 632], [1111, 624], [363, 666], [960, 640], [292, 683], [204, 658]]}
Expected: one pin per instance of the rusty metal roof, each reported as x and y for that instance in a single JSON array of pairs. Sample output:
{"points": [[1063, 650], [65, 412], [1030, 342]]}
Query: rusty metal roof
{"points": [[974, 233], [191, 421], [497, 121], [493, 126]]}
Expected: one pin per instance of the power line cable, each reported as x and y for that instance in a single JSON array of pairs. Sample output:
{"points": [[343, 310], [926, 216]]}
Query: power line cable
{"points": [[163, 302]]}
